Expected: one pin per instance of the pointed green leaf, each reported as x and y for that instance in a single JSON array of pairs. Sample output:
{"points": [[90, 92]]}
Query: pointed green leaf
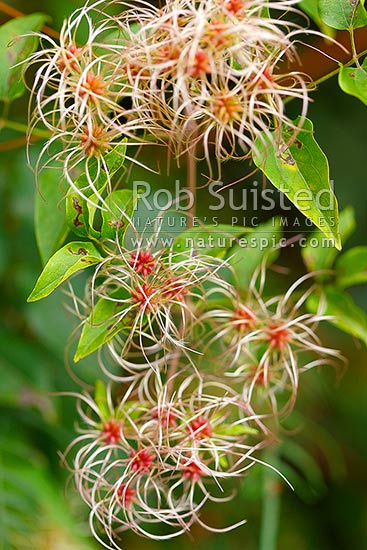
{"points": [[50, 224], [346, 315], [68, 260], [311, 8], [100, 397], [119, 36], [237, 429], [265, 12], [351, 267], [223, 461], [302, 174], [101, 325], [93, 212], [77, 213], [17, 48], [80, 213], [113, 160], [130, 409], [120, 206], [318, 254], [305, 463], [250, 251], [343, 14], [353, 81]]}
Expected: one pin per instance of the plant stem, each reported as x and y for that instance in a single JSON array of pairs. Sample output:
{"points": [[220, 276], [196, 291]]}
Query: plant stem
{"points": [[14, 13], [22, 128], [191, 184], [5, 113], [327, 76], [191, 188], [336, 71], [271, 502], [354, 48]]}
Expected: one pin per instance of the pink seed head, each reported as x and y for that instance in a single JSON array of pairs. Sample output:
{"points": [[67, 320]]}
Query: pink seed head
{"points": [[243, 318], [111, 432], [167, 52], [68, 60], [258, 375], [174, 289], [200, 64], [142, 297], [218, 33], [227, 108], [142, 262], [92, 86], [277, 335], [264, 79], [126, 494], [192, 471], [200, 428], [141, 460], [235, 6], [94, 140]]}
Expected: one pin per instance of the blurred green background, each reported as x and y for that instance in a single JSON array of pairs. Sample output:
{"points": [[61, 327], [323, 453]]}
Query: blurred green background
{"points": [[326, 458]]}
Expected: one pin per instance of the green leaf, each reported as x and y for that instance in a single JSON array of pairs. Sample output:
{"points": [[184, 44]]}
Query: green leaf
{"points": [[302, 470], [121, 35], [346, 315], [250, 251], [302, 174], [92, 214], [129, 408], [101, 399], [17, 48], [50, 224], [237, 429], [77, 214], [223, 462], [80, 212], [113, 160], [211, 240], [305, 463], [343, 14], [68, 260], [317, 254], [310, 7], [34, 512], [121, 205], [353, 81], [101, 325], [351, 267], [265, 12]]}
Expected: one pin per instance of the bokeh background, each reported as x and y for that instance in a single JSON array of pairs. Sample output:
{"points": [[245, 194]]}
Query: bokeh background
{"points": [[326, 456]]}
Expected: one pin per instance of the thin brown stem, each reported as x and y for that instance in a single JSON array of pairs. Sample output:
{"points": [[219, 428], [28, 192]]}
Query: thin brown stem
{"points": [[323, 60], [14, 13], [16, 143], [354, 47], [331, 74], [9, 10], [191, 188], [336, 71], [22, 128]]}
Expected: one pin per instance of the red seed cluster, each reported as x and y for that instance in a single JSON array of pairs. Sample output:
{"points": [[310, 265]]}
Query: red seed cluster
{"points": [[143, 262], [111, 432]]}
